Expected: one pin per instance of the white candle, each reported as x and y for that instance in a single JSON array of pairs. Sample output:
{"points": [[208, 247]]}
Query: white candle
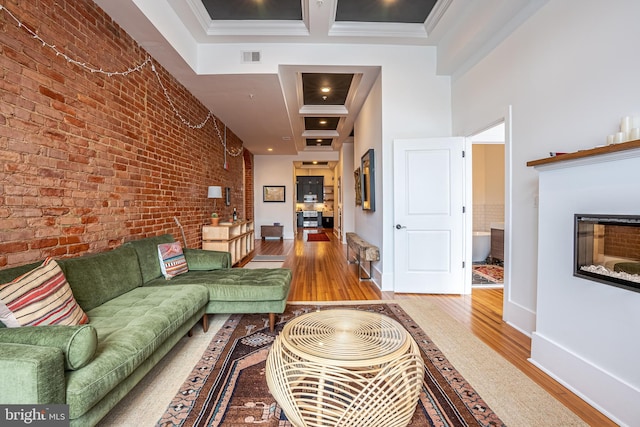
{"points": [[611, 139], [620, 137], [634, 134], [625, 124]]}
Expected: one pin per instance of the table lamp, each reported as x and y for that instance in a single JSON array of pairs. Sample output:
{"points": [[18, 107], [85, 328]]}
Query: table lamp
{"points": [[214, 192]]}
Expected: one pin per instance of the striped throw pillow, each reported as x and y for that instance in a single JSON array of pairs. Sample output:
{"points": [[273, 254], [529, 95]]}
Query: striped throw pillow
{"points": [[172, 260], [39, 297]]}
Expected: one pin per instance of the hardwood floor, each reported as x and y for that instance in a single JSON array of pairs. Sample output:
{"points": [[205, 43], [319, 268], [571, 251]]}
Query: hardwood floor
{"points": [[321, 273]]}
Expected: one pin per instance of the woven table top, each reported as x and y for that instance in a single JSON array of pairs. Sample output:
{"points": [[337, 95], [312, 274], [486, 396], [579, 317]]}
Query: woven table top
{"points": [[344, 337]]}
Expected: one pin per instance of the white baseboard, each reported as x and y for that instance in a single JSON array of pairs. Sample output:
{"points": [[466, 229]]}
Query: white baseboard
{"points": [[519, 317], [608, 394]]}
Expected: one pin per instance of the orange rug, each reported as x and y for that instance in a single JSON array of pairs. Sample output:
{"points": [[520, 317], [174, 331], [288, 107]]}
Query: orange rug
{"points": [[493, 273]]}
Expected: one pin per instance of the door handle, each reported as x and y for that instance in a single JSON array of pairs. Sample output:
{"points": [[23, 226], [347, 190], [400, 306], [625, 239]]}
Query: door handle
{"points": [[398, 226]]}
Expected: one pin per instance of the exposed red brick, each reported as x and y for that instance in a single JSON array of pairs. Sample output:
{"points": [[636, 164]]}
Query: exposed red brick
{"points": [[13, 247], [77, 249], [55, 211], [44, 243], [92, 160], [51, 94]]}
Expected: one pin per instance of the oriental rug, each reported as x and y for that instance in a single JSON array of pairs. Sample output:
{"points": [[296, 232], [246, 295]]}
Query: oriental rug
{"points": [[317, 237], [493, 273], [227, 387]]}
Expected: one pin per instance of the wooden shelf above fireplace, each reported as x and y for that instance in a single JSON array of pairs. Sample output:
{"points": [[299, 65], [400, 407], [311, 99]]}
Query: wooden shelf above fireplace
{"points": [[582, 154]]}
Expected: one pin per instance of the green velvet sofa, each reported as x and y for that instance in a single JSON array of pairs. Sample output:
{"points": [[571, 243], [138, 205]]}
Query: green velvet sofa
{"points": [[135, 318]]}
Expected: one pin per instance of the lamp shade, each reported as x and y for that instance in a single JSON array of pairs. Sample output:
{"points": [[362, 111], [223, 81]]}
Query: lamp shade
{"points": [[215, 192]]}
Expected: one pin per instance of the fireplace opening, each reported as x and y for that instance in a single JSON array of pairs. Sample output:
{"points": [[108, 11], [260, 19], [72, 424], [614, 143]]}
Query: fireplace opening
{"points": [[607, 249]]}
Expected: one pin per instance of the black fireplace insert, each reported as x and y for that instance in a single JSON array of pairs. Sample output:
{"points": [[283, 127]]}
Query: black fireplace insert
{"points": [[607, 249]]}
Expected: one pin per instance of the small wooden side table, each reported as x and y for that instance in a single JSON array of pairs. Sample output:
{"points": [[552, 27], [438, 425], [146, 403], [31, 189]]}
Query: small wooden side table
{"points": [[271, 231]]}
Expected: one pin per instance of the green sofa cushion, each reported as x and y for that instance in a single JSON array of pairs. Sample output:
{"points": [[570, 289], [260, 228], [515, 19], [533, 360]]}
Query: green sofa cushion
{"points": [[78, 343], [237, 284], [147, 252], [130, 329], [8, 274], [201, 260], [97, 278], [31, 374]]}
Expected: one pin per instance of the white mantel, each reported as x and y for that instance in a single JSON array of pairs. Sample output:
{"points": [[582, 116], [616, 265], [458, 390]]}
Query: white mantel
{"points": [[587, 333]]}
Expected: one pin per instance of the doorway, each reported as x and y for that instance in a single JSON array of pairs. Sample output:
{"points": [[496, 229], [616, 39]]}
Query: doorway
{"points": [[488, 190]]}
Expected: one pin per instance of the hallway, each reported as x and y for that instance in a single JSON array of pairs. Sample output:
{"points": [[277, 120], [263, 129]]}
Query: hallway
{"points": [[320, 270]]}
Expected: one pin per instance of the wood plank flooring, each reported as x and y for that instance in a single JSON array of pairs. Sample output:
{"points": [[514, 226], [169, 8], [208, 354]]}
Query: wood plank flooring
{"points": [[321, 273]]}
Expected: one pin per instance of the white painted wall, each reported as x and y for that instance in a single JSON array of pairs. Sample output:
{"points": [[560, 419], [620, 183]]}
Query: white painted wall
{"points": [[368, 135], [347, 204], [570, 77], [587, 332]]}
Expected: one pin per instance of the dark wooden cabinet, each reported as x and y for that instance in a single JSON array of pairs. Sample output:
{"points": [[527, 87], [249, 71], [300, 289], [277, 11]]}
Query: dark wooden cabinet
{"points": [[327, 221], [309, 185], [299, 219], [497, 244]]}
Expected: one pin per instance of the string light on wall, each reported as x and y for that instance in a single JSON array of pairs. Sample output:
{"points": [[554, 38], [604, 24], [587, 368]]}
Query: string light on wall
{"points": [[234, 152]]}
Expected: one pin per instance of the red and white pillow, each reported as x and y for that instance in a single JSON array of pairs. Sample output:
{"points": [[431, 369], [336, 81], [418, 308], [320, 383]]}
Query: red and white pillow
{"points": [[172, 260], [39, 297]]}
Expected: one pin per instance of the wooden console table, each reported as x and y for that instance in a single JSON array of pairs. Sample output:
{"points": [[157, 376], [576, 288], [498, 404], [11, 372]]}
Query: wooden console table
{"points": [[271, 231], [237, 238]]}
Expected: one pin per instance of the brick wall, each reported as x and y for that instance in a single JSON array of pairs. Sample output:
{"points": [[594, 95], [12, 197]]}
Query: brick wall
{"points": [[622, 241], [89, 161]]}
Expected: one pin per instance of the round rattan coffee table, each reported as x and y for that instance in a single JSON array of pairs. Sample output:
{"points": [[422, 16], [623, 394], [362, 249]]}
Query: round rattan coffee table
{"points": [[345, 368]]}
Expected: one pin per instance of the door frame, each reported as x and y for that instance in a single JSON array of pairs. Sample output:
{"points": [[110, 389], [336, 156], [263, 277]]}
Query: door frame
{"points": [[508, 203]]}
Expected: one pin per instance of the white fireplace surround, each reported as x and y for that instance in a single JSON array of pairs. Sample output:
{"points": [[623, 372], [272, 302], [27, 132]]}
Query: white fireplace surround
{"points": [[586, 333]]}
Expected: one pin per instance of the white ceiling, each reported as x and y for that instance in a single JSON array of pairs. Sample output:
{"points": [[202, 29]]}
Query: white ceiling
{"points": [[264, 107]]}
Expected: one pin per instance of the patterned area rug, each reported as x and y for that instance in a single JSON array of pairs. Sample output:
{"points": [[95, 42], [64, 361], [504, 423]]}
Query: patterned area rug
{"points": [[493, 273], [228, 386], [317, 237]]}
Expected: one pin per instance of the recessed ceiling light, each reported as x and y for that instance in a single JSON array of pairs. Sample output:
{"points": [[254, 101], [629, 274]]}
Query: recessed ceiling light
{"points": [[323, 122], [325, 89], [269, 149], [315, 162], [318, 140]]}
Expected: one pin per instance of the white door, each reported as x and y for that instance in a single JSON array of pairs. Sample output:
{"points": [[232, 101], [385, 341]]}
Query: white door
{"points": [[428, 215]]}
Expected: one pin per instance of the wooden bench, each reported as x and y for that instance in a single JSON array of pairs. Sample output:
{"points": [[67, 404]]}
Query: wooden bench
{"points": [[271, 231], [364, 252]]}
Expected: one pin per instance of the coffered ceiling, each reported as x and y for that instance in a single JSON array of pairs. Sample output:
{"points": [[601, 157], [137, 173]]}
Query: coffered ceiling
{"points": [[303, 108]]}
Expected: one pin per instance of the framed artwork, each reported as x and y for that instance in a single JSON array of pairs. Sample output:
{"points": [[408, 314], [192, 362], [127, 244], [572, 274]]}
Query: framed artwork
{"points": [[273, 193], [368, 181], [356, 176]]}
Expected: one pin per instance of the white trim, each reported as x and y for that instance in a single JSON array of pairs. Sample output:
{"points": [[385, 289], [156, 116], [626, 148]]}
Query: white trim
{"points": [[517, 316], [586, 380], [377, 29]]}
